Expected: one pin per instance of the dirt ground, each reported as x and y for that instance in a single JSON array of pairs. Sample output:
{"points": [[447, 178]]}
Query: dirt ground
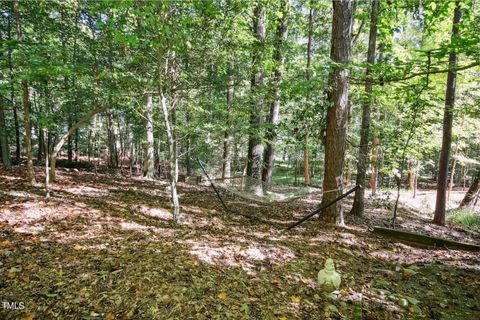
{"points": [[105, 247]]}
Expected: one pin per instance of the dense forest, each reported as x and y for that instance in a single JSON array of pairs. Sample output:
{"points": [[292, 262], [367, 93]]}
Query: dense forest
{"points": [[205, 159]]}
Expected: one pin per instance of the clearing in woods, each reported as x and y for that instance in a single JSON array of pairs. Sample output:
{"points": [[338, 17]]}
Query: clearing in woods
{"points": [[107, 247]]}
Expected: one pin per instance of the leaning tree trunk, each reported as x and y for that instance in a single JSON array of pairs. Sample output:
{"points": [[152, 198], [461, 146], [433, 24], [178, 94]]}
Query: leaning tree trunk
{"points": [[273, 117], [255, 145], [26, 101], [472, 191], [63, 139], [149, 154], [440, 204], [359, 200], [337, 114]]}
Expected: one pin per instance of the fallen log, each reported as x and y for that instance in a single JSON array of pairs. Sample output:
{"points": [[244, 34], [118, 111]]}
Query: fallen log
{"points": [[422, 241]]}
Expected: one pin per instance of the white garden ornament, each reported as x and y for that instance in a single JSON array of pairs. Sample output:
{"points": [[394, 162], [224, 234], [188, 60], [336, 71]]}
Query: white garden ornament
{"points": [[328, 278]]}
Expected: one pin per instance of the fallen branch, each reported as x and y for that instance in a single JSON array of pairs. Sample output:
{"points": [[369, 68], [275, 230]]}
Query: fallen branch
{"points": [[422, 241]]}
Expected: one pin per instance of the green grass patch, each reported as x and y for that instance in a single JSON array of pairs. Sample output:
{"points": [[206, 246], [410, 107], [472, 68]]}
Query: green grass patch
{"points": [[465, 218]]}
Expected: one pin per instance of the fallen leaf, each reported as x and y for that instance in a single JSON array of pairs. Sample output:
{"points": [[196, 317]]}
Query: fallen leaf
{"points": [[295, 299], [28, 316], [222, 296]]}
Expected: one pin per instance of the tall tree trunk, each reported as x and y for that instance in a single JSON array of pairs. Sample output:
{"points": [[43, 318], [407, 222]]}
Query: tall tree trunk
{"points": [[5, 148], [173, 158], [111, 142], [337, 115], [13, 99], [440, 205], [26, 101], [358, 207], [306, 173], [227, 139], [372, 183], [255, 145], [452, 174], [150, 156], [273, 117], [472, 191], [4, 145]]}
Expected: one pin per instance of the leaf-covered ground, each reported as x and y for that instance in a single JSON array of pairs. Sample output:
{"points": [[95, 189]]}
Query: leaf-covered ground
{"points": [[105, 248]]}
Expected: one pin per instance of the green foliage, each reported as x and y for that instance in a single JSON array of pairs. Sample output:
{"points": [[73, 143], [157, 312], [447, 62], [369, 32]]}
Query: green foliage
{"points": [[465, 218]]}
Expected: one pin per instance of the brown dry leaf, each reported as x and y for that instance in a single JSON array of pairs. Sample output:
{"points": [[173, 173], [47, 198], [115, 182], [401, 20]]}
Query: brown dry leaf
{"points": [[28, 316], [29, 266], [5, 243], [110, 316], [11, 275]]}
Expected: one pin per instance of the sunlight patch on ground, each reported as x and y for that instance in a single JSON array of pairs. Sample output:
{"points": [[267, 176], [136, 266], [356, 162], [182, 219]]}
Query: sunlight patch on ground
{"points": [[133, 226], [17, 194], [87, 191], [155, 212], [233, 255]]}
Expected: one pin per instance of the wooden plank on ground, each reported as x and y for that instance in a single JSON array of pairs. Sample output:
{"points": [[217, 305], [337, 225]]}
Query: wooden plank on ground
{"points": [[423, 241]]}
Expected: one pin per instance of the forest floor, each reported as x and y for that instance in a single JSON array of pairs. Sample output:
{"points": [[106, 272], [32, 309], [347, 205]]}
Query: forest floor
{"points": [[105, 247]]}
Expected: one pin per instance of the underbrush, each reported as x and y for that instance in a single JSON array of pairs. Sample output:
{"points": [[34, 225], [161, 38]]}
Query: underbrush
{"points": [[464, 218]]}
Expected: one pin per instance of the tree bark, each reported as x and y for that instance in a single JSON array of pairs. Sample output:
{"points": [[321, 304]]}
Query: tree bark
{"points": [[5, 148], [472, 190], [25, 100], [358, 207], [150, 156], [306, 173], [63, 139], [337, 114], [255, 145], [173, 159], [227, 139], [273, 117], [12, 98], [440, 205]]}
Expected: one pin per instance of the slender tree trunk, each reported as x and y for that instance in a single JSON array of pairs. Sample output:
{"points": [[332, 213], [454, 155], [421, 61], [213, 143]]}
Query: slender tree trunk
{"points": [[273, 117], [472, 191], [227, 139], [306, 173], [337, 114], [255, 145], [26, 101], [358, 207], [13, 99], [47, 151], [63, 139], [372, 183], [5, 148], [452, 174], [172, 157], [4, 145], [440, 204], [150, 156]]}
